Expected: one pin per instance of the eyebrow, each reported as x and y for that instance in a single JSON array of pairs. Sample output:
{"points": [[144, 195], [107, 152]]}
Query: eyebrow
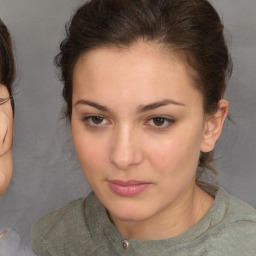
{"points": [[92, 104], [152, 106], [141, 108]]}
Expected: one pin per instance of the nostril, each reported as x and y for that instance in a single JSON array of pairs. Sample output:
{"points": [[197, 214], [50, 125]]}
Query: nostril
{"points": [[121, 160], [125, 159]]}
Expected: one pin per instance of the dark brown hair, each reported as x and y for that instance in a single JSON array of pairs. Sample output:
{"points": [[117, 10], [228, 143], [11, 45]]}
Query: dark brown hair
{"points": [[192, 28], [7, 64]]}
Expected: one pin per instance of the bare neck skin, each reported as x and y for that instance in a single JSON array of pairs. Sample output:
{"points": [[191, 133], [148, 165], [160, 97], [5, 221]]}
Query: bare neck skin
{"points": [[188, 210]]}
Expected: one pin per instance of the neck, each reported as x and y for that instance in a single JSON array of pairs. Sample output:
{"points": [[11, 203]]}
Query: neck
{"points": [[177, 218]]}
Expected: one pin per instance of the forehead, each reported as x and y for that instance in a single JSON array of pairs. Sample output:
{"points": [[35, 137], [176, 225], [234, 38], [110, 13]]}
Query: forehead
{"points": [[143, 68]]}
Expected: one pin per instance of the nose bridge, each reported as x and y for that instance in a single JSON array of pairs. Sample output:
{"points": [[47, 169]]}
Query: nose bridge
{"points": [[125, 152]]}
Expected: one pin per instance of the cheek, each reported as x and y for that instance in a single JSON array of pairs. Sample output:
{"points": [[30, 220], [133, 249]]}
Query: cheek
{"points": [[177, 154], [89, 153], [167, 155], [91, 150], [90, 158]]}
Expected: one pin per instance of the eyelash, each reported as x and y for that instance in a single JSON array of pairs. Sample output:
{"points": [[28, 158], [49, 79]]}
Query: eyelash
{"points": [[88, 121], [167, 121]]}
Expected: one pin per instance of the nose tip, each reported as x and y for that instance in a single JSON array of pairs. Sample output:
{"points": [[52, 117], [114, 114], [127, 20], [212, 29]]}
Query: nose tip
{"points": [[123, 161], [125, 154]]}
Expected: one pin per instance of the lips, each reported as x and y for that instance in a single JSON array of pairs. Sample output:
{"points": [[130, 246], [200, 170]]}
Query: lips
{"points": [[128, 188]]}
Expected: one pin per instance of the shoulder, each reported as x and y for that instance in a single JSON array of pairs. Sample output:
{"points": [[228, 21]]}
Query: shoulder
{"points": [[49, 232], [235, 234], [236, 209]]}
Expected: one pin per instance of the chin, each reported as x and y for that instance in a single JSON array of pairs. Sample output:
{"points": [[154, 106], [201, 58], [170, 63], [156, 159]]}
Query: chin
{"points": [[130, 213]]}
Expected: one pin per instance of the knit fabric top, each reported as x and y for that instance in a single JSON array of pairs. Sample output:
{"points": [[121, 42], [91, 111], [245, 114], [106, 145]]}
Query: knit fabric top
{"points": [[83, 228]]}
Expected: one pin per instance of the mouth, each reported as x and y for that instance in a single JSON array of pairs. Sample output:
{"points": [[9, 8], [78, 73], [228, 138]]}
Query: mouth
{"points": [[128, 188]]}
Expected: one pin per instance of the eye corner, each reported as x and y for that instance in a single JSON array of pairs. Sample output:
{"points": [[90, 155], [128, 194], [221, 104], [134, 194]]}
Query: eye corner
{"points": [[95, 121], [160, 122]]}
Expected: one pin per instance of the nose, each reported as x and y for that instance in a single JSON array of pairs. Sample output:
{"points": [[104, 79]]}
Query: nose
{"points": [[125, 152]]}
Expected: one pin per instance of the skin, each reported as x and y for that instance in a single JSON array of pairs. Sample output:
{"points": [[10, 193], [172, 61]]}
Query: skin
{"points": [[117, 137], [6, 137]]}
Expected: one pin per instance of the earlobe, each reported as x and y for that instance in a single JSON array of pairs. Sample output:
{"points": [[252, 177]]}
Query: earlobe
{"points": [[213, 127]]}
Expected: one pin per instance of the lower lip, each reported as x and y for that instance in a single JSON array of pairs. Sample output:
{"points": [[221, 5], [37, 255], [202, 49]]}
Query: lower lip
{"points": [[128, 190]]}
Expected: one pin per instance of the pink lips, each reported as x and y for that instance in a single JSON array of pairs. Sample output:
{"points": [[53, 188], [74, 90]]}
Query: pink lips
{"points": [[127, 188]]}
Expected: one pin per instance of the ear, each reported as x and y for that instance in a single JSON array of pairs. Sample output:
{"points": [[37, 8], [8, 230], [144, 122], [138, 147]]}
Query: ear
{"points": [[213, 126]]}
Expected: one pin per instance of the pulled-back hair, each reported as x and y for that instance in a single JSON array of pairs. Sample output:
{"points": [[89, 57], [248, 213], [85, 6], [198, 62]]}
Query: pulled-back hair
{"points": [[7, 64], [191, 28]]}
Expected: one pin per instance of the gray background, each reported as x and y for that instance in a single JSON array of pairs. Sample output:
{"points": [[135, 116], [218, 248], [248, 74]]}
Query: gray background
{"points": [[46, 172]]}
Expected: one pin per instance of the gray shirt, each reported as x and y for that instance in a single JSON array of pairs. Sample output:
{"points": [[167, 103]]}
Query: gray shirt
{"points": [[83, 228]]}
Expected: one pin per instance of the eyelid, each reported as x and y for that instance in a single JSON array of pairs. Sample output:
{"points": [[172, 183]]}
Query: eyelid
{"points": [[170, 121], [86, 119]]}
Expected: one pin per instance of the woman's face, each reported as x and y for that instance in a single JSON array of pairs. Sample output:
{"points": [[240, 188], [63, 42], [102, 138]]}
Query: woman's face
{"points": [[6, 136], [137, 126]]}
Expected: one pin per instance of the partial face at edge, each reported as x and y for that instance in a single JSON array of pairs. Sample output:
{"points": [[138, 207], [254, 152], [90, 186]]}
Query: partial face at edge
{"points": [[136, 119], [6, 137]]}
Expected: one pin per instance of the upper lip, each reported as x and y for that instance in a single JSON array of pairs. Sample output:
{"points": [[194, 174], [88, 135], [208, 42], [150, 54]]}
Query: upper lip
{"points": [[128, 182]]}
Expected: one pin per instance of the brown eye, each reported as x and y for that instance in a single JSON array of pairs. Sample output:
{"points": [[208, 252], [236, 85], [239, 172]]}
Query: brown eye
{"points": [[159, 121], [97, 119]]}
